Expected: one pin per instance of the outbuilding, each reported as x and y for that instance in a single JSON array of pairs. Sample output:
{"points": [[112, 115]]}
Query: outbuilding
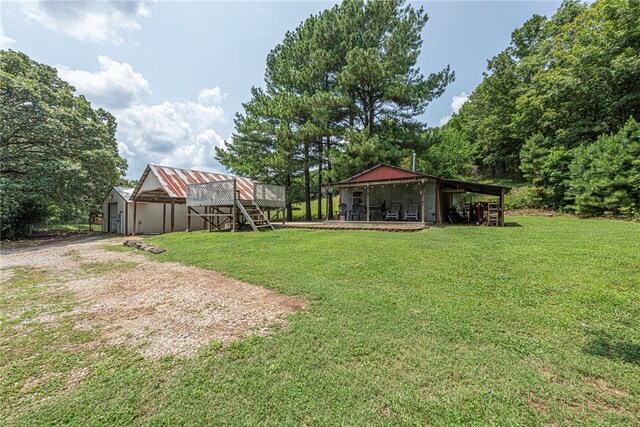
{"points": [[388, 193], [168, 199]]}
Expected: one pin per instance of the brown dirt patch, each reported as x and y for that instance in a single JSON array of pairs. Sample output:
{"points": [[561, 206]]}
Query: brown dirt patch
{"points": [[602, 385], [157, 308], [537, 404]]}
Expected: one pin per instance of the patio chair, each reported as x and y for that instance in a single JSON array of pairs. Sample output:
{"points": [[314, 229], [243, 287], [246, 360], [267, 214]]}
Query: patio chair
{"points": [[342, 212], [412, 212], [394, 212], [356, 212]]}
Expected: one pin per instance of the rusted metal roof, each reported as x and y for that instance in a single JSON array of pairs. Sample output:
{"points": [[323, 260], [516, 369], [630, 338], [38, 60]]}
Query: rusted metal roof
{"points": [[175, 180]]}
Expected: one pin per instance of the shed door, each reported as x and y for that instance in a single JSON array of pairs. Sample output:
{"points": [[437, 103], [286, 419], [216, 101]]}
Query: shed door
{"points": [[113, 217]]}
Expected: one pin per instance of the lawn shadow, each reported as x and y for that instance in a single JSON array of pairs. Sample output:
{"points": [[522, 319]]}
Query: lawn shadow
{"points": [[604, 345], [512, 224]]}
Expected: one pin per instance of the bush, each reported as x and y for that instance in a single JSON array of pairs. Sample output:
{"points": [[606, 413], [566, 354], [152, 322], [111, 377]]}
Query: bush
{"points": [[605, 175], [525, 197]]}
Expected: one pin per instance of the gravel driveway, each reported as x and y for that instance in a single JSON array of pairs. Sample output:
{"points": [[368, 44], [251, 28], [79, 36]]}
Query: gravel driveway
{"points": [[157, 308]]}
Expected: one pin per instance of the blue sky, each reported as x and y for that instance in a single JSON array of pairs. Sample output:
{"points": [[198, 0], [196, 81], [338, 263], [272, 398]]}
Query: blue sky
{"points": [[175, 73]]}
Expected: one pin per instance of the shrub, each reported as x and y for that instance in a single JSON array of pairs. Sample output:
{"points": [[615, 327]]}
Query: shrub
{"points": [[605, 175], [525, 197]]}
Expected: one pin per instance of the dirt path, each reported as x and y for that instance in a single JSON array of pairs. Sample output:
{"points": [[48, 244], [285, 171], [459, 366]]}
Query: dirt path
{"points": [[158, 308]]}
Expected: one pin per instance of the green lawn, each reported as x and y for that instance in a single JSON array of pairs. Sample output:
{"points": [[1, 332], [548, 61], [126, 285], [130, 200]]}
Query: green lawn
{"points": [[529, 325], [299, 209], [66, 227]]}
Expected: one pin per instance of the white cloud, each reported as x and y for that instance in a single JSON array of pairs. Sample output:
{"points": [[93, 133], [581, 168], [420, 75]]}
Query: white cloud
{"points": [[456, 103], [5, 40], [444, 120], [212, 95], [97, 21], [116, 85], [178, 134]]}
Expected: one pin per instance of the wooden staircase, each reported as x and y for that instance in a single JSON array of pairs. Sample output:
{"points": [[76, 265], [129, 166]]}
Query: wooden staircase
{"points": [[254, 215]]}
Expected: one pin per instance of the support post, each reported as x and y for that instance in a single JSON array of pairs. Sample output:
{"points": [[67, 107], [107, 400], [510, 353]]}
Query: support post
{"points": [[368, 216], [188, 218], [164, 217], [501, 211], [422, 203], [135, 216], [234, 208], [173, 214], [126, 218], [233, 218]]}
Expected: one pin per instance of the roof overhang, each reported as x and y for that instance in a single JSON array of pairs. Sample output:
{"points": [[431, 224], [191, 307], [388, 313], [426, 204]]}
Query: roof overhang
{"points": [[382, 182], [453, 184], [475, 187]]}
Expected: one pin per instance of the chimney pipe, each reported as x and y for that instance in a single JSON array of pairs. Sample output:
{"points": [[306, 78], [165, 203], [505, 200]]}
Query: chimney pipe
{"points": [[413, 167]]}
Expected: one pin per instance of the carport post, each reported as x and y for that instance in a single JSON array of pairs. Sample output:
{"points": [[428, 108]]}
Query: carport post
{"points": [[135, 216], [164, 217], [188, 218], [173, 212]]}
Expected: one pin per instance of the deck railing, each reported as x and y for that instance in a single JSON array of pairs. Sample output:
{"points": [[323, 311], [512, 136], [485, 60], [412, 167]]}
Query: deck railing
{"points": [[225, 193], [269, 195], [216, 193]]}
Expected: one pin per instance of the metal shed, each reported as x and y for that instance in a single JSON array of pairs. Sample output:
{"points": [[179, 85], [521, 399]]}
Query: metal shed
{"points": [[195, 200]]}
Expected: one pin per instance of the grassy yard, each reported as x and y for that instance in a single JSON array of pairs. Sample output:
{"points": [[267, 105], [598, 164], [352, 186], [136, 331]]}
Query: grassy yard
{"points": [[66, 227], [525, 325]]}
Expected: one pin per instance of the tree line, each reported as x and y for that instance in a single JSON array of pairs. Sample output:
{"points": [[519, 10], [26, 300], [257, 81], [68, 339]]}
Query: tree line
{"points": [[58, 155], [559, 109]]}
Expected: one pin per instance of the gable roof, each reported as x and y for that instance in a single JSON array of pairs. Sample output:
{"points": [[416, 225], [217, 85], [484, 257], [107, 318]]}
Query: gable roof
{"points": [[124, 192], [382, 171], [174, 181]]}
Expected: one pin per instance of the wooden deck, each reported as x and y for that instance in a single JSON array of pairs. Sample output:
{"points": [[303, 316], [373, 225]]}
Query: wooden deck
{"points": [[393, 226]]}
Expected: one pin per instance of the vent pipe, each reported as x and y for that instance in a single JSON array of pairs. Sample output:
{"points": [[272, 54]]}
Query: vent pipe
{"points": [[413, 163]]}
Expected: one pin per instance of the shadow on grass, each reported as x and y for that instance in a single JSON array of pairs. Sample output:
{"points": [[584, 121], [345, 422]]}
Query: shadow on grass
{"points": [[604, 345], [512, 224]]}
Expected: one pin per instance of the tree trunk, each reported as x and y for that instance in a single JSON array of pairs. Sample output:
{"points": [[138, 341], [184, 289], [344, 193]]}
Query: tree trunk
{"points": [[289, 206], [371, 114], [320, 161], [329, 196], [307, 184]]}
